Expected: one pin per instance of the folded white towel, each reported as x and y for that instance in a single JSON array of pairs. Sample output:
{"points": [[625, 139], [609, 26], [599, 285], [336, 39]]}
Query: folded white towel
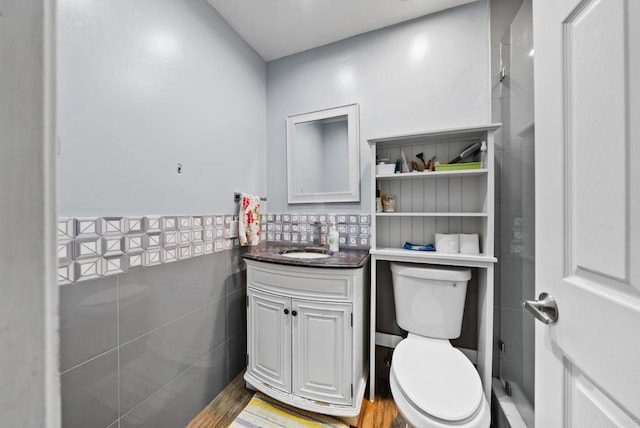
{"points": [[249, 220]]}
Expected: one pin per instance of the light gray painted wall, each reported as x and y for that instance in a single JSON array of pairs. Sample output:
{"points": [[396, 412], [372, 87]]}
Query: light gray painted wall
{"points": [[30, 395], [144, 85], [426, 74]]}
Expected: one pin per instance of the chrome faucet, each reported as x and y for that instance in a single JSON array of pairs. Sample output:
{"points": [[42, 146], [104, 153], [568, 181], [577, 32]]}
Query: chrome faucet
{"points": [[317, 233]]}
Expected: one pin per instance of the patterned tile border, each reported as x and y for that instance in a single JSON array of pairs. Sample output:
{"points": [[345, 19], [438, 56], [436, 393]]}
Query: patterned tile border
{"points": [[354, 229], [93, 247], [100, 246]]}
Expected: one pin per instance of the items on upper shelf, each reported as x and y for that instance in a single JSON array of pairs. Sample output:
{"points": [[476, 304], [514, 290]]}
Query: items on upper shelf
{"points": [[474, 156]]}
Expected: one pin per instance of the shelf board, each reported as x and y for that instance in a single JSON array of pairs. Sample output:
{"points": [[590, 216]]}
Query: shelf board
{"points": [[401, 254], [430, 214], [474, 132], [433, 174]]}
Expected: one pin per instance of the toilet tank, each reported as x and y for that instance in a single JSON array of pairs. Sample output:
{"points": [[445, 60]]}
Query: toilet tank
{"points": [[429, 299]]}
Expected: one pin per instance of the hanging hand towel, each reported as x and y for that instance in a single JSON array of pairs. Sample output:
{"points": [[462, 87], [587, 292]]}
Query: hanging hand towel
{"points": [[249, 220]]}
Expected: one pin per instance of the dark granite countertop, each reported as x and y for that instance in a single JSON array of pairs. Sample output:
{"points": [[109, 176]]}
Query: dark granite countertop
{"points": [[270, 253]]}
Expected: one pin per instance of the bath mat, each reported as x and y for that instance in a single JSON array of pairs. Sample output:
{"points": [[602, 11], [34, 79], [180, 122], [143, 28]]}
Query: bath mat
{"points": [[265, 413]]}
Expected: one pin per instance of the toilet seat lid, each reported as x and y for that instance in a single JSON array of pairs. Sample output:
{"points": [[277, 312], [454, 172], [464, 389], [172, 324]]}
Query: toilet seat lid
{"points": [[437, 378]]}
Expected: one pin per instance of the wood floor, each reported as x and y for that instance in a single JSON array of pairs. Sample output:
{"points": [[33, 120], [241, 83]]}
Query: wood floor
{"points": [[230, 402], [225, 407]]}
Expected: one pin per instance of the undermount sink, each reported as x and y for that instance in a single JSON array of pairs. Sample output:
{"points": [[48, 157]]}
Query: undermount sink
{"points": [[306, 253]]}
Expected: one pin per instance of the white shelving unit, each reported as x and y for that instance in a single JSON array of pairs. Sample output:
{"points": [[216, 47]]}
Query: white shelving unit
{"points": [[459, 201]]}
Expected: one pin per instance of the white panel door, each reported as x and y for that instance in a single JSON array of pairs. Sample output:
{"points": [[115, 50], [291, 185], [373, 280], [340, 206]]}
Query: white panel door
{"points": [[269, 345], [322, 338], [587, 96]]}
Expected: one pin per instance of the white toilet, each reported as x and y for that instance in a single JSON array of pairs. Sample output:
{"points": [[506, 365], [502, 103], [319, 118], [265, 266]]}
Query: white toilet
{"points": [[433, 383]]}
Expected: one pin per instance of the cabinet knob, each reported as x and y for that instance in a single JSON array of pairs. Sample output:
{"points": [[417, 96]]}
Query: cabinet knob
{"points": [[286, 311], [294, 313]]}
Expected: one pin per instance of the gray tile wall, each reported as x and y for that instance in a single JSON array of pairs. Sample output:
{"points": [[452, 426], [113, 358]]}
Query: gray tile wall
{"points": [[152, 341], [512, 104], [151, 347]]}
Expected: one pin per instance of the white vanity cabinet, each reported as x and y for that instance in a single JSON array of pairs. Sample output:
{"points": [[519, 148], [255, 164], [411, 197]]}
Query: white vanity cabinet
{"points": [[321, 351], [305, 336], [269, 338]]}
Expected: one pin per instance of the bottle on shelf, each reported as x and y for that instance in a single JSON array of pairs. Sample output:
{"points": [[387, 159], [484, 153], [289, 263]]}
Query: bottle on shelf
{"points": [[334, 238], [378, 200], [483, 155], [405, 165]]}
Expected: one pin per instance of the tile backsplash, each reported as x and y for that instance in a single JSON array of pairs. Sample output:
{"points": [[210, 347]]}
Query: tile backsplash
{"points": [[354, 229], [93, 247]]}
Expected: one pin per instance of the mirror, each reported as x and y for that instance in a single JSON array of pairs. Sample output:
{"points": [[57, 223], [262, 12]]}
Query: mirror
{"points": [[323, 156]]}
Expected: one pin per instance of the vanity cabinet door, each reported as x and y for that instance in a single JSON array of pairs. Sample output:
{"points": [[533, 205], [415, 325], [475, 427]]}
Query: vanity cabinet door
{"points": [[322, 347], [269, 344]]}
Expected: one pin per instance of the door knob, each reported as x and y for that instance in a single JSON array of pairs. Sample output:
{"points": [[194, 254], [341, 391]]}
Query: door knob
{"points": [[286, 311], [294, 313], [544, 309]]}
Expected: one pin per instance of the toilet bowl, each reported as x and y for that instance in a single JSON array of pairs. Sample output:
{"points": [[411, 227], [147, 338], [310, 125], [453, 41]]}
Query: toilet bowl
{"points": [[433, 384]]}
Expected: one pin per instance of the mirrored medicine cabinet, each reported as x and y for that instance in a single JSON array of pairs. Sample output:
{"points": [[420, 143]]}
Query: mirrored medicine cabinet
{"points": [[323, 156]]}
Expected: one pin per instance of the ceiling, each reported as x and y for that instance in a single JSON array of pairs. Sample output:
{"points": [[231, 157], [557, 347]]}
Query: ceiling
{"points": [[277, 28]]}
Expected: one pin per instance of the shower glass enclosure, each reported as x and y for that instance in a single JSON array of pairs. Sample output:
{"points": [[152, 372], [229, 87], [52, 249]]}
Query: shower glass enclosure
{"points": [[514, 107]]}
